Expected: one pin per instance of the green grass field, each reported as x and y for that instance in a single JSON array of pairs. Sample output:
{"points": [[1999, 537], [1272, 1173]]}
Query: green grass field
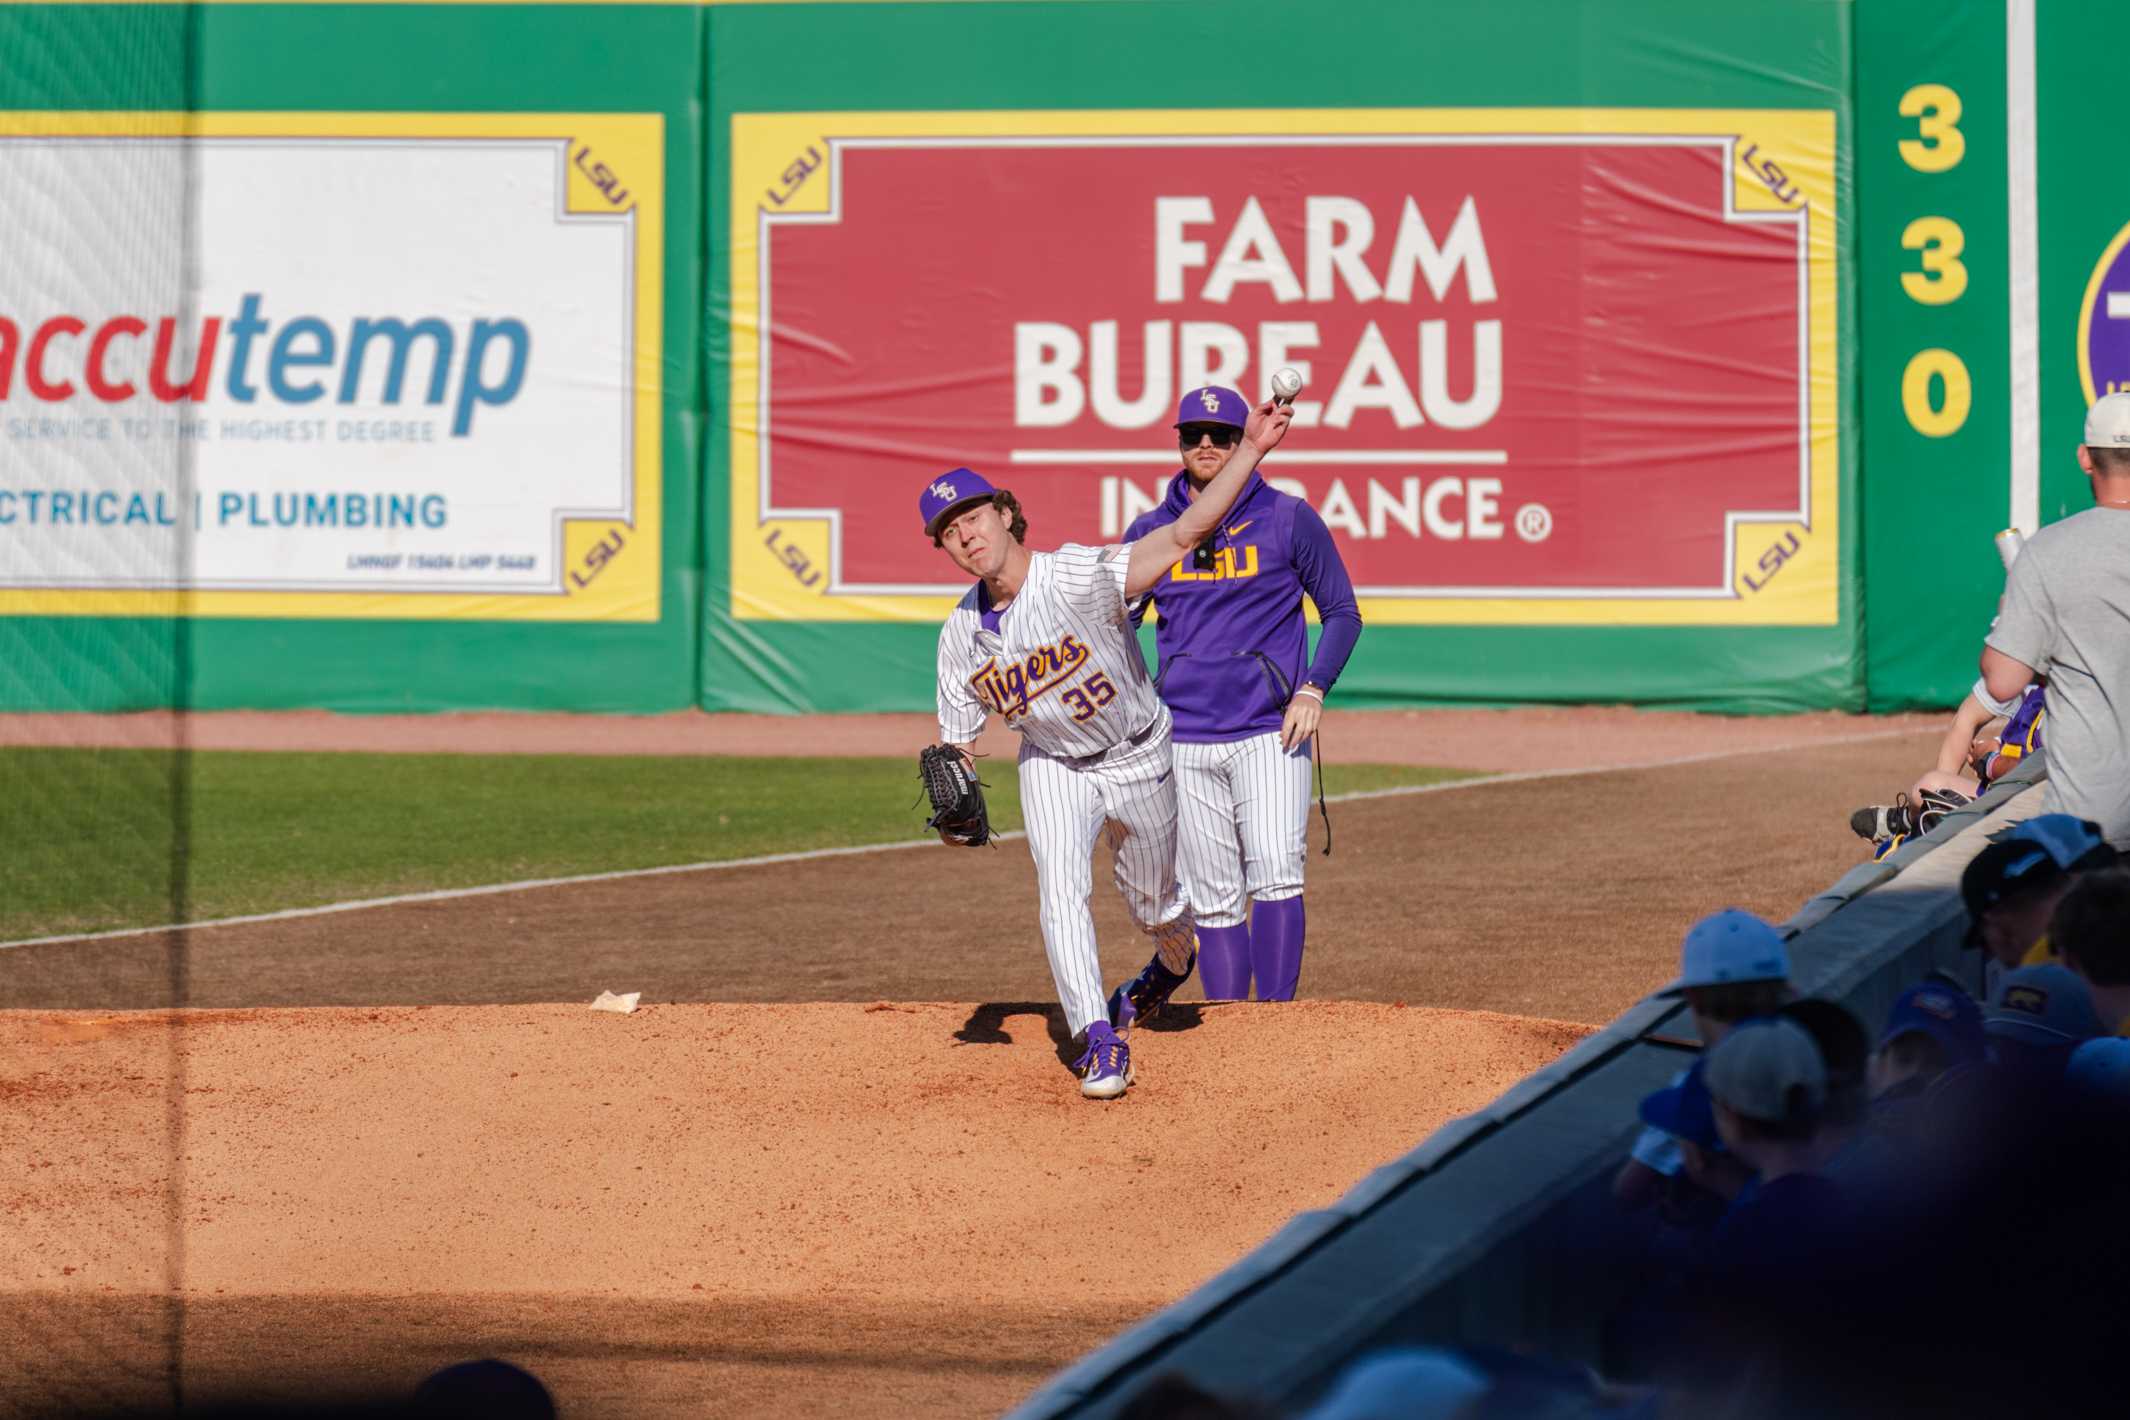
{"points": [[89, 842]]}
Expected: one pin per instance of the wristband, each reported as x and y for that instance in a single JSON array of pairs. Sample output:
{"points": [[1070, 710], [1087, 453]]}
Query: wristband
{"points": [[1315, 690]]}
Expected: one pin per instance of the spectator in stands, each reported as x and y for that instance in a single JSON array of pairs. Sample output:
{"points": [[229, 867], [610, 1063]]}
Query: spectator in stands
{"points": [[1845, 1049], [1732, 966], [2066, 615], [1776, 1247], [1933, 1035], [2037, 1016], [1932, 1029], [2090, 930], [1768, 1082], [2014, 883], [1984, 742]]}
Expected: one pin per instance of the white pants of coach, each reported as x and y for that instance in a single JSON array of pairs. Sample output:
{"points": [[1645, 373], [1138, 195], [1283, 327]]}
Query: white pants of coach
{"points": [[1244, 807], [1128, 796]]}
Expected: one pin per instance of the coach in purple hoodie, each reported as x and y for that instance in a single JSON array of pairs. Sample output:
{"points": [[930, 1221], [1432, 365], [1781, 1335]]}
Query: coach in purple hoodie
{"points": [[1236, 674]]}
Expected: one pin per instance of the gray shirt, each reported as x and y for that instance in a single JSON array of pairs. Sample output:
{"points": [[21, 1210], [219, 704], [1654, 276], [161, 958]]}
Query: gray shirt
{"points": [[2066, 613]]}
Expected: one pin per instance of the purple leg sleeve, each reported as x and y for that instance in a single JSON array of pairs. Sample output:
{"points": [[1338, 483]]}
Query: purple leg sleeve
{"points": [[1224, 962], [1276, 933]]}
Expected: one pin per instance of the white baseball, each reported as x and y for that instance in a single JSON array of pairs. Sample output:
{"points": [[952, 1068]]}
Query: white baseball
{"points": [[1286, 382]]}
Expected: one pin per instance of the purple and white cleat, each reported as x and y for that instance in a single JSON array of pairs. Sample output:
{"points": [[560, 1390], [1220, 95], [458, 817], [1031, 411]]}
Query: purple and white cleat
{"points": [[1142, 997], [1106, 1068]]}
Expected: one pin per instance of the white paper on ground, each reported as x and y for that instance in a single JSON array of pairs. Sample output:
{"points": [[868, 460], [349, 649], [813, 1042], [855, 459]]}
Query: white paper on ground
{"points": [[624, 1003]]}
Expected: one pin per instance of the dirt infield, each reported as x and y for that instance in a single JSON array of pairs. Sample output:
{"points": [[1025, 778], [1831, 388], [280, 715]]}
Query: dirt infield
{"points": [[802, 1210], [1560, 898], [885, 1205], [1531, 737]]}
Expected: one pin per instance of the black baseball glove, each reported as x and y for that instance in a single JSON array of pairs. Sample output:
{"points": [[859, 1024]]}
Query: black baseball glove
{"points": [[958, 810]]}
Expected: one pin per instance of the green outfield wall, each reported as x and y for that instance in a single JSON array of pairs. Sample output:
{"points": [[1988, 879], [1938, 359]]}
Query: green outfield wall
{"points": [[397, 356]]}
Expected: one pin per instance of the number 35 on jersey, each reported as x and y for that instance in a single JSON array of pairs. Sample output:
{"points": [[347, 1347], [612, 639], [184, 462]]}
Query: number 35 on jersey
{"points": [[1010, 689]]}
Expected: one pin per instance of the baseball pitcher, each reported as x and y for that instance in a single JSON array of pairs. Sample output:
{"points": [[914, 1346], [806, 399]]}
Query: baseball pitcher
{"points": [[1046, 640]]}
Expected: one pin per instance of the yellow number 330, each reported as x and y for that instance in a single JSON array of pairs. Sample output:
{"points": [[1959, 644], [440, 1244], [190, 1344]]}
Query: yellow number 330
{"points": [[1941, 145]]}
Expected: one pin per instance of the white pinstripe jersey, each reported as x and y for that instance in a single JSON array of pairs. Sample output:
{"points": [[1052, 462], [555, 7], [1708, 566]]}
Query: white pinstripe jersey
{"points": [[1061, 662]]}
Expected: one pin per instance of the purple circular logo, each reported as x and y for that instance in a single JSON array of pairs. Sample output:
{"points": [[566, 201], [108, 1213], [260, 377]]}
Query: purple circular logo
{"points": [[2104, 322]]}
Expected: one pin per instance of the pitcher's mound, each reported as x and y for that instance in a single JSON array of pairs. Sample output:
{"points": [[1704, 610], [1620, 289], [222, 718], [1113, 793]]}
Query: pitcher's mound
{"points": [[781, 1208]]}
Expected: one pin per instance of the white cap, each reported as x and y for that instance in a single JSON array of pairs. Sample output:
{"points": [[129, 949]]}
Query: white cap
{"points": [[2108, 422], [1769, 1070]]}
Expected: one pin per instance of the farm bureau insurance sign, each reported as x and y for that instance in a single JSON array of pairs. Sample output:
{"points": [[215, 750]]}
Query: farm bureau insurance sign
{"points": [[418, 375], [1563, 365]]}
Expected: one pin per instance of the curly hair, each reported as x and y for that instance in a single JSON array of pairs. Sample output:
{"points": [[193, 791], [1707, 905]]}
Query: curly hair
{"points": [[1009, 507]]}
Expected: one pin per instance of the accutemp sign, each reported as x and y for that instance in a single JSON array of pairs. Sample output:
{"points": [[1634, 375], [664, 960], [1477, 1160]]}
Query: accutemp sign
{"points": [[409, 370]]}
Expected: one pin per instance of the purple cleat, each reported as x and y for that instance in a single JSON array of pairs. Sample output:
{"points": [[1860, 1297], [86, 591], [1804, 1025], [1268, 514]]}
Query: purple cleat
{"points": [[1142, 997], [1106, 1068]]}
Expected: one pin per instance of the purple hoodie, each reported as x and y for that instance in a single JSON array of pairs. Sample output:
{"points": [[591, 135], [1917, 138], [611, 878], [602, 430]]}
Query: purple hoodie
{"points": [[1232, 638]]}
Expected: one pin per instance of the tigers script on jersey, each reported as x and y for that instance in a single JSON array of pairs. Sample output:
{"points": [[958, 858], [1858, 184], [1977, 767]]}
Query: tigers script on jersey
{"points": [[1060, 662]]}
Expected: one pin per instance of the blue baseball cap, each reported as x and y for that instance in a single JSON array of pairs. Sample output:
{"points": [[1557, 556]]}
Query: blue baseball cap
{"points": [[1946, 1014], [2025, 858], [1408, 1383], [949, 494], [2043, 1005], [2072, 842], [1684, 1111], [1731, 945], [2100, 1070], [1211, 404]]}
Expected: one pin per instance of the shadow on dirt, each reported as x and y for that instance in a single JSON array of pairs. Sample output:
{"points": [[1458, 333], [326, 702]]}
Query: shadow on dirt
{"points": [[987, 1026]]}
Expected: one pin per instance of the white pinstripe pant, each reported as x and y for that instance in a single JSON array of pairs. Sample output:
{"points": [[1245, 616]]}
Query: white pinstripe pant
{"points": [[1245, 824], [1130, 796]]}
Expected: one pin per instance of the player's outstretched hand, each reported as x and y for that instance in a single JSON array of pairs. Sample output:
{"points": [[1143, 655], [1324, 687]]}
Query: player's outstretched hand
{"points": [[1267, 425], [1304, 710]]}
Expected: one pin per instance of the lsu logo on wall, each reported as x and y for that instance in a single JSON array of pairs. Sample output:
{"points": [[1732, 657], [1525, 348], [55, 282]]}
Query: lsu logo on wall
{"points": [[1516, 327], [2104, 322], [418, 374]]}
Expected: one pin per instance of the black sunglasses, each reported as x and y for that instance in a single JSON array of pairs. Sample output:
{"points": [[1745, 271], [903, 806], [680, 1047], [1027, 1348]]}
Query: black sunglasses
{"points": [[1224, 436]]}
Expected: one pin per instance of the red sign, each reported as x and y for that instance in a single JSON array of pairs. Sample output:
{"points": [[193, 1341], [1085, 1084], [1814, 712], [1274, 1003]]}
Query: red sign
{"points": [[1537, 366]]}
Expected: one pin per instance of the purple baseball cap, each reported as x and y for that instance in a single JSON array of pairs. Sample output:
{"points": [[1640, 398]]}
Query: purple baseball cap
{"points": [[1950, 1017], [949, 494], [1210, 404]]}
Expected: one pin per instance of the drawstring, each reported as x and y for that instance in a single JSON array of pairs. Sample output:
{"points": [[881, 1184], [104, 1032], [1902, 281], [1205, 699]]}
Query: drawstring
{"points": [[1321, 806]]}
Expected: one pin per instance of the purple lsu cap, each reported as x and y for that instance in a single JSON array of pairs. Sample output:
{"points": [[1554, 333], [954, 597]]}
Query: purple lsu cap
{"points": [[947, 495], [1948, 1016], [1213, 405]]}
